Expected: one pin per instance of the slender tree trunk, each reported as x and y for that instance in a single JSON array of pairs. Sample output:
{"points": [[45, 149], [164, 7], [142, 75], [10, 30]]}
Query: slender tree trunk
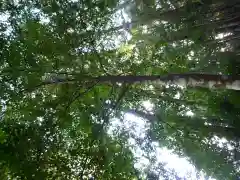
{"points": [[185, 80]]}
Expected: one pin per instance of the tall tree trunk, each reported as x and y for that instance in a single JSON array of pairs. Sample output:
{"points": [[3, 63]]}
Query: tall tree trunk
{"points": [[183, 80]]}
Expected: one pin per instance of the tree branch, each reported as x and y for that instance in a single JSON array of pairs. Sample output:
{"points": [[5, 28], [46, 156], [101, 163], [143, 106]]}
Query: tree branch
{"points": [[80, 94]]}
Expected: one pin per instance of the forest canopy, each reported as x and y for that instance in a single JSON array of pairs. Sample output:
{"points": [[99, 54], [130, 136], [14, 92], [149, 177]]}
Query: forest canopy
{"points": [[71, 69]]}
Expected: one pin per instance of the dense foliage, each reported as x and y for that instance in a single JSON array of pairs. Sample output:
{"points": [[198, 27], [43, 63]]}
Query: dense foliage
{"points": [[71, 68]]}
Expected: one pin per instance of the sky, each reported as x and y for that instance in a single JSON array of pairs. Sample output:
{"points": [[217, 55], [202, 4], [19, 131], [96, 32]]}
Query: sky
{"points": [[139, 127]]}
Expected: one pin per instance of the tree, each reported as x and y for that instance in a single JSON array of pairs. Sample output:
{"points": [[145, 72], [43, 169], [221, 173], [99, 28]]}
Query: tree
{"points": [[66, 73]]}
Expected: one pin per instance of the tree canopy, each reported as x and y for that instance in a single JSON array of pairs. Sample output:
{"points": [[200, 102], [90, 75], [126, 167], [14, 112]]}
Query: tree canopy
{"points": [[70, 69]]}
